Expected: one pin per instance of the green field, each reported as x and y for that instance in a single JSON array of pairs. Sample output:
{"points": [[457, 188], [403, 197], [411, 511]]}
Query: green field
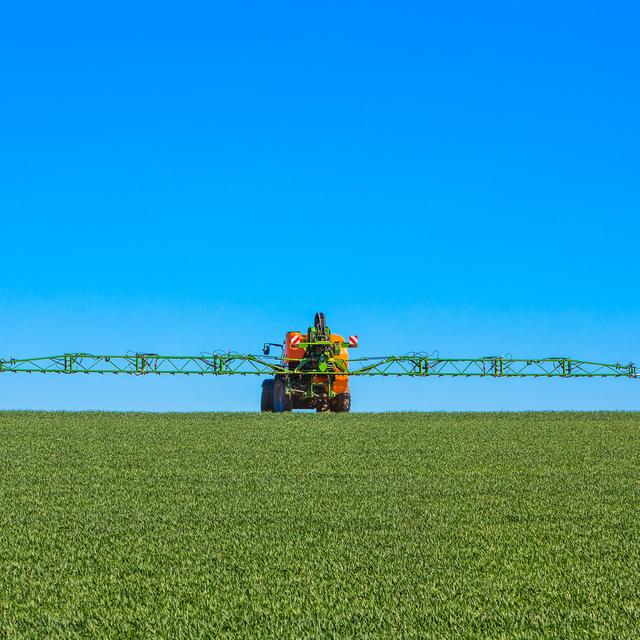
{"points": [[367, 525]]}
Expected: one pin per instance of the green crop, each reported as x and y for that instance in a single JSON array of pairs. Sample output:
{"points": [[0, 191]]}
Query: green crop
{"points": [[386, 525]]}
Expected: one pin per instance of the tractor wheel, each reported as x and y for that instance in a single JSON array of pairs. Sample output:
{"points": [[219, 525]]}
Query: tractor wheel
{"points": [[281, 402], [266, 399], [341, 403]]}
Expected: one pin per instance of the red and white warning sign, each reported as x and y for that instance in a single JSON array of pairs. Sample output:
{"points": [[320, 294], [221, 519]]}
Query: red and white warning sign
{"points": [[353, 341], [295, 340]]}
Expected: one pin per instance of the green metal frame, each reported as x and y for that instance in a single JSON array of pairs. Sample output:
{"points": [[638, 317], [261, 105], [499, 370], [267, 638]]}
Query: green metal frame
{"points": [[243, 364], [321, 358]]}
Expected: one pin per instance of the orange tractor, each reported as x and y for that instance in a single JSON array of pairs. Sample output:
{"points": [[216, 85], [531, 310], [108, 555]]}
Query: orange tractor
{"points": [[315, 374]]}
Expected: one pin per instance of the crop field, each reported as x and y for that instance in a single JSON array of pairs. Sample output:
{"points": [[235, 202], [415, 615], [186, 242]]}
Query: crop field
{"points": [[360, 525]]}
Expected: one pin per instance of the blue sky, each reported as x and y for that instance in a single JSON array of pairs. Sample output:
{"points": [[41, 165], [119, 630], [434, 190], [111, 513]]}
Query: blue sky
{"points": [[459, 177]]}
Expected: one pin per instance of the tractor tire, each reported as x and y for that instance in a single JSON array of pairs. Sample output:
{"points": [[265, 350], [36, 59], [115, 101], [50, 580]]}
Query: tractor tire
{"points": [[281, 402], [266, 399], [341, 403]]}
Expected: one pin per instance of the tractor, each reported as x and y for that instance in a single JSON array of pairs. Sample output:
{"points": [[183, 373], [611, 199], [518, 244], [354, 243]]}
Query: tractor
{"points": [[313, 371]]}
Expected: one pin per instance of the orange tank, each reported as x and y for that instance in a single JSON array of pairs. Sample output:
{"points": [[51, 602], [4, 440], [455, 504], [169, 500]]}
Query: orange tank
{"points": [[341, 383], [290, 350]]}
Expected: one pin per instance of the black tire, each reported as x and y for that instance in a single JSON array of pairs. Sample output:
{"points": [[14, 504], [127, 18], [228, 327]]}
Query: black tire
{"points": [[341, 403], [281, 402], [266, 399]]}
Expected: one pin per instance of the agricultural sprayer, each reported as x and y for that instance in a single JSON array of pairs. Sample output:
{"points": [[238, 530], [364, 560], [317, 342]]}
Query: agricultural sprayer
{"points": [[313, 369]]}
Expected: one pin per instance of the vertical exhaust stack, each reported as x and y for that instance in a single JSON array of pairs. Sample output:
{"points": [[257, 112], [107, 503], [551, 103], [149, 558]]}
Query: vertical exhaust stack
{"points": [[320, 325]]}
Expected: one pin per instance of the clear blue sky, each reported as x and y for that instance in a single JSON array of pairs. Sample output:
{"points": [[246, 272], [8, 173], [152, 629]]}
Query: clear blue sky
{"points": [[460, 177]]}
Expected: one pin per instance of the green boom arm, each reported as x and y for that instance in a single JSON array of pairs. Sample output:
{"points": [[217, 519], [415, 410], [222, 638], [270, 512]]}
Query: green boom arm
{"points": [[242, 364]]}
